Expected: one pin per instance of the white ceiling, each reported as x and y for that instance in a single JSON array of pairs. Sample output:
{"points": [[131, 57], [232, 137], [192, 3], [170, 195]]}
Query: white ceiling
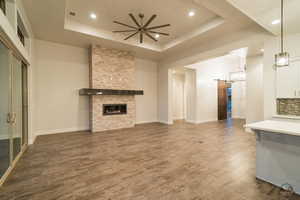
{"points": [[266, 11], [214, 20], [174, 12]]}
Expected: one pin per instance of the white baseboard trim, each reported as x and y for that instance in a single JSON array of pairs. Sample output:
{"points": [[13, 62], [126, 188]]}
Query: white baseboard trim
{"points": [[66, 130], [146, 122], [238, 117], [179, 118], [191, 121], [201, 122], [31, 140], [165, 122], [206, 121]]}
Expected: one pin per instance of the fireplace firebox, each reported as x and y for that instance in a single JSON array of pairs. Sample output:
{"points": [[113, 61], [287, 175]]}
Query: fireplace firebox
{"points": [[114, 109]]}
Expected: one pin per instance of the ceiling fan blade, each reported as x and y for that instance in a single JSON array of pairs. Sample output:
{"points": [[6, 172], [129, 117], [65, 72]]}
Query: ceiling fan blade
{"points": [[141, 37], [131, 35], [150, 20], [160, 33], [150, 36], [125, 31], [161, 26], [135, 21], [120, 23]]}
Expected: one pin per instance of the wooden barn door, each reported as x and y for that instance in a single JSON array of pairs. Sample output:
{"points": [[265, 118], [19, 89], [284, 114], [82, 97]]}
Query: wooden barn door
{"points": [[222, 100]]}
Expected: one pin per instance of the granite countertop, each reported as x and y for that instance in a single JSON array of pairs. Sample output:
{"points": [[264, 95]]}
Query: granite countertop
{"points": [[278, 127]]}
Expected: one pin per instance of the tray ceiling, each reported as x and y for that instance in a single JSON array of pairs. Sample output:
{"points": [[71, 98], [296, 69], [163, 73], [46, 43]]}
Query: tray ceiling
{"points": [[174, 12]]}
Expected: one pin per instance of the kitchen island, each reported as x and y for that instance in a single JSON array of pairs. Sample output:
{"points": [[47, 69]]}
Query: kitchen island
{"points": [[278, 152]]}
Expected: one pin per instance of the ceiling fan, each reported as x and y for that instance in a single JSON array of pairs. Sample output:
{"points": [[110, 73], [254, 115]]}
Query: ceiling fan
{"points": [[141, 28]]}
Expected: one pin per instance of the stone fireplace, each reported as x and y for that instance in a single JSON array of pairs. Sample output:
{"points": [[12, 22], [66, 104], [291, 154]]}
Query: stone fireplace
{"points": [[114, 109], [112, 84]]}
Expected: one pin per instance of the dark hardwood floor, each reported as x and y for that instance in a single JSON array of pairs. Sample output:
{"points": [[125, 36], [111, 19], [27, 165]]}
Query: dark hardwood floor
{"points": [[211, 161]]}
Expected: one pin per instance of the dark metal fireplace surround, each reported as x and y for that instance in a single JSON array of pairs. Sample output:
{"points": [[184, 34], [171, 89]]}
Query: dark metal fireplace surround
{"points": [[114, 109]]}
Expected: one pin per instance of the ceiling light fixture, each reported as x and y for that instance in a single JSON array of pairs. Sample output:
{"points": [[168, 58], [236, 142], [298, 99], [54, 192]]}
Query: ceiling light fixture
{"points": [[191, 13], [276, 21], [93, 16], [141, 28], [282, 58]]}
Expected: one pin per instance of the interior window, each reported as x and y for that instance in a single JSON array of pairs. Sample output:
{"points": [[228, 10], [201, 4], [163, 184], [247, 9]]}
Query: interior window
{"points": [[21, 36], [3, 6]]}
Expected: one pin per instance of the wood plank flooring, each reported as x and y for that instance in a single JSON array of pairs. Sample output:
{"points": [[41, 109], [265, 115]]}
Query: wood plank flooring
{"points": [[211, 161]]}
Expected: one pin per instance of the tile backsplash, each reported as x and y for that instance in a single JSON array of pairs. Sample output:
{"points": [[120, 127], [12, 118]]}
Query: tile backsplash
{"points": [[288, 106]]}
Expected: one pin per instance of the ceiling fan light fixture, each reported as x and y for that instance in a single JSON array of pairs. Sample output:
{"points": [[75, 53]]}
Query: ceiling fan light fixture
{"points": [[140, 28]]}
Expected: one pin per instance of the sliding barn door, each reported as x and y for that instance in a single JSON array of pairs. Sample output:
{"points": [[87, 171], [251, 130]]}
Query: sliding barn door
{"points": [[222, 100]]}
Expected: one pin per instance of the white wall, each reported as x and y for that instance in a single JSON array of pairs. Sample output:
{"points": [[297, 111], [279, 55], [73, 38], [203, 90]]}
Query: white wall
{"points": [[207, 86], [146, 79], [191, 93], [60, 72], [238, 99], [165, 95], [178, 96], [272, 47], [254, 88], [240, 39]]}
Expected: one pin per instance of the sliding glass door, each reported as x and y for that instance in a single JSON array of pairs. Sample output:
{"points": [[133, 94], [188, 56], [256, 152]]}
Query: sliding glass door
{"points": [[13, 108], [5, 128], [16, 106], [24, 105]]}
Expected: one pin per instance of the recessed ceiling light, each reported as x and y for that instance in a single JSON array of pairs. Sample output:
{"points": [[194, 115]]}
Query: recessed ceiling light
{"points": [[276, 21], [157, 35], [191, 13], [93, 16]]}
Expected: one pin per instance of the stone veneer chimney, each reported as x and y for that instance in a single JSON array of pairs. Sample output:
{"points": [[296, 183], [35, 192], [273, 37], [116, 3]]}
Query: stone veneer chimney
{"points": [[111, 69]]}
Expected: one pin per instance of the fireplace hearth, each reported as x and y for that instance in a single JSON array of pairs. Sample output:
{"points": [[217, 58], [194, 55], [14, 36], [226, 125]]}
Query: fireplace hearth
{"points": [[114, 109]]}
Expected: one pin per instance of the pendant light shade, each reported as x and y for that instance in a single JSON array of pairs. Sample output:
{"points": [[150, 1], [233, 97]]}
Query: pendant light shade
{"points": [[282, 59]]}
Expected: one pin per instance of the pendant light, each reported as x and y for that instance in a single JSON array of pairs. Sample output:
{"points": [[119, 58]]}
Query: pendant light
{"points": [[282, 59]]}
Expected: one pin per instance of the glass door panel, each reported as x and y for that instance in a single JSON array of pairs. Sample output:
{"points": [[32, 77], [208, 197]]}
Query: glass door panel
{"points": [[5, 134], [17, 106], [25, 105]]}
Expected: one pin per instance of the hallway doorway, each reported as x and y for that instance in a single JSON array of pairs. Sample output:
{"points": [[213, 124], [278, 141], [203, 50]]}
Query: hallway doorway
{"points": [[224, 100]]}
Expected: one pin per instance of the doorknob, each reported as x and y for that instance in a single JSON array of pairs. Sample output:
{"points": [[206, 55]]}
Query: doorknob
{"points": [[8, 118], [13, 118]]}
